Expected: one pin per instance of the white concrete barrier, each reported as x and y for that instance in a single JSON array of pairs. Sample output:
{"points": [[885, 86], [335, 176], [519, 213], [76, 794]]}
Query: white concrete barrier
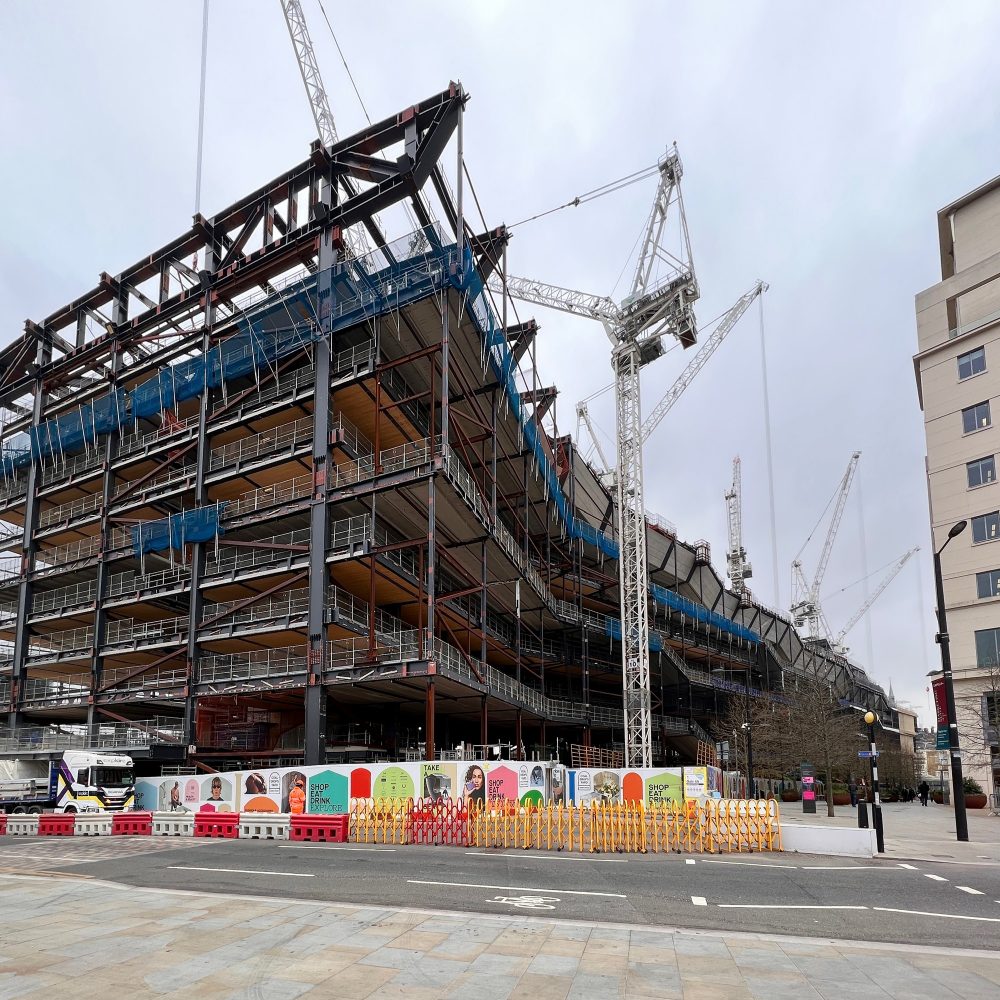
{"points": [[842, 841], [93, 824], [264, 826], [22, 825], [173, 824]]}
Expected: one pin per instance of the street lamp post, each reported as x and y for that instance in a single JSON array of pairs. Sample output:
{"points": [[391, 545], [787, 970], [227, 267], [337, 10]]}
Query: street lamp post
{"points": [[751, 786], [870, 719], [958, 790]]}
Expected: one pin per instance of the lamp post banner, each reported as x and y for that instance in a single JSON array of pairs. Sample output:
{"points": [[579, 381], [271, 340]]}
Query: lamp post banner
{"points": [[942, 741]]}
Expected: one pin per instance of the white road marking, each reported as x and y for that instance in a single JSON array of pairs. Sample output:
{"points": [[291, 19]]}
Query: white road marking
{"points": [[527, 902], [925, 913], [237, 871], [335, 847], [545, 857], [783, 906], [752, 864], [699, 901], [689, 861], [911, 868], [937, 878], [517, 888], [969, 890]]}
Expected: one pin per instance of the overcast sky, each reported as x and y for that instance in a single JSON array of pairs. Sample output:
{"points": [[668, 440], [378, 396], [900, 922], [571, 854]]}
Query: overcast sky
{"points": [[818, 144]]}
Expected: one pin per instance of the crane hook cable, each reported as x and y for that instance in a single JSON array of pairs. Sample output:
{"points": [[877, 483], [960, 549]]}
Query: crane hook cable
{"points": [[598, 192]]}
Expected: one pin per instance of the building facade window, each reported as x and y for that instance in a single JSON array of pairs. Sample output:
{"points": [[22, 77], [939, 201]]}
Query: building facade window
{"points": [[988, 584], [986, 527], [981, 471], [976, 417], [988, 647], [972, 363]]}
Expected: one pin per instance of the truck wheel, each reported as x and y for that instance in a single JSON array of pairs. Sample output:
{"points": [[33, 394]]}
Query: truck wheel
{"points": [[19, 810], [70, 809], [34, 810]]}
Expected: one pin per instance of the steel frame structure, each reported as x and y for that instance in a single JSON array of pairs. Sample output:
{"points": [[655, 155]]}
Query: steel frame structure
{"points": [[391, 553]]}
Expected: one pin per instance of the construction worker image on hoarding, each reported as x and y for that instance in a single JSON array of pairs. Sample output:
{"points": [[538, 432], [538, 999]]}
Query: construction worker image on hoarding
{"points": [[297, 797]]}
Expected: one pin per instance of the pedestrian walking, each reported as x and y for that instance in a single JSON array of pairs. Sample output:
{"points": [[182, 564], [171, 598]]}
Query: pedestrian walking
{"points": [[852, 787], [925, 791]]}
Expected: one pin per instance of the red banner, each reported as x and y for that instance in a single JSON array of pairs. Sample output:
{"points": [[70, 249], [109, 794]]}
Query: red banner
{"points": [[940, 701]]}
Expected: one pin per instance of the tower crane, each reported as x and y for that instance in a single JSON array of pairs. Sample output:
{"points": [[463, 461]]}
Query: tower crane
{"points": [[838, 643], [806, 608], [726, 322], [657, 306], [355, 241], [736, 557]]}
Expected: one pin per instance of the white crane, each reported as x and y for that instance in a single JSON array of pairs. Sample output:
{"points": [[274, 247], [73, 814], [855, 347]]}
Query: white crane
{"points": [[725, 324], [806, 608], [657, 306], [736, 557], [356, 242], [838, 643]]}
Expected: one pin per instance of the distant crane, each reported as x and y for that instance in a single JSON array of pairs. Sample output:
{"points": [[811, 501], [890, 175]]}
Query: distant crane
{"points": [[736, 557], [806, 608], [657, 306], [838, 643]]}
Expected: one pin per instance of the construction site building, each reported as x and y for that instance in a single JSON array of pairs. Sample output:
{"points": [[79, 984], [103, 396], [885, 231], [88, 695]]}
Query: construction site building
{"points": [[267, 501]]}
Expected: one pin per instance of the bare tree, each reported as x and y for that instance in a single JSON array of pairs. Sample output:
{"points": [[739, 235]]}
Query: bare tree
{"points": [[979, 720]]}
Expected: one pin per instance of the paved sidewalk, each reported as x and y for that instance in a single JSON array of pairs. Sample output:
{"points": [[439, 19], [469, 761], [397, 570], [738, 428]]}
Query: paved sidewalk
{"points": [[97, 939], [913, 831]]}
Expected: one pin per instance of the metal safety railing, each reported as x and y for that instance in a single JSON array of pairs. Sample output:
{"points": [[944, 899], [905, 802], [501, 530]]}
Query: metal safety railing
{"points": [[75, 510], [131, 583], [52, 644], [257, 664], [132, 632], [284, 437], [142, 733]]}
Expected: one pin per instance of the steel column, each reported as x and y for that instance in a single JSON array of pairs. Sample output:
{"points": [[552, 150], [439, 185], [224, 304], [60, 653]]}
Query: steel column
{"points": [[119, 315], [25, 590], [319, 519]]}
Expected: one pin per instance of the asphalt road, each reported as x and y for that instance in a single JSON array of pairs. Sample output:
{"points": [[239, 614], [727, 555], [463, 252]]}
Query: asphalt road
{"points": [[918, 903]]}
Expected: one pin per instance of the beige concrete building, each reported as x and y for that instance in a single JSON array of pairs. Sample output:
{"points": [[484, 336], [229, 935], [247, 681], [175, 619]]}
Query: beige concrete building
{"points": [[957, 368]]}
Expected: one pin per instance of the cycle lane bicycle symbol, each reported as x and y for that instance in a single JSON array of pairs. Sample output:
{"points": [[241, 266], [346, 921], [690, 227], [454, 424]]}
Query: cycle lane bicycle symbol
{"points": [[527, 902]]}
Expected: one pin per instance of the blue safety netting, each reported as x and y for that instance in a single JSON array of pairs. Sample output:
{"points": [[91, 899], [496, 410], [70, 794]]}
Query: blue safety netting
{"points": [[613, 630], [504, 368], [700, 613], [201, 524], [280, 326]]}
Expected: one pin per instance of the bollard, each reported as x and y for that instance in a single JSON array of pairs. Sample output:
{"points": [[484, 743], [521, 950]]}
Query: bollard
{"points": [[862, 815]]}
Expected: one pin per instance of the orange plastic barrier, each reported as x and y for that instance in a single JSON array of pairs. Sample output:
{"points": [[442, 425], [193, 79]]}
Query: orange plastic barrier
{"points": [[56, 824], [217, 824], [319, 829], [132, 824]]}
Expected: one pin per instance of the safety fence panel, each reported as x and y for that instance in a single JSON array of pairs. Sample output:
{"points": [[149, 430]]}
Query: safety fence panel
{"points": [[381, 821], [440, 821]]}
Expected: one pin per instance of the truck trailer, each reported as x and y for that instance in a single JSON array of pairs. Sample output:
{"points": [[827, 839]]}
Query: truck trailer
{"points": [[78, 781]]}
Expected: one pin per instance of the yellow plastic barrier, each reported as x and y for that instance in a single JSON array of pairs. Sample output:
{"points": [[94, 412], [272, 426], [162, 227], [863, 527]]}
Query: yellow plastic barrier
{"points": [[380, 821], [725, 825]]}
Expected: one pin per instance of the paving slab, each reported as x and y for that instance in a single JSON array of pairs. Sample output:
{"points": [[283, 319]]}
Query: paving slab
{"points": [[167, 943]]}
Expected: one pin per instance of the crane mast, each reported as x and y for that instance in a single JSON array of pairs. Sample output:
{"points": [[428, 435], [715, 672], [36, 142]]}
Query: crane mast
{"points": [[806, 609], [863, 610], [658, 306], [736, 558], [305, 55]]}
